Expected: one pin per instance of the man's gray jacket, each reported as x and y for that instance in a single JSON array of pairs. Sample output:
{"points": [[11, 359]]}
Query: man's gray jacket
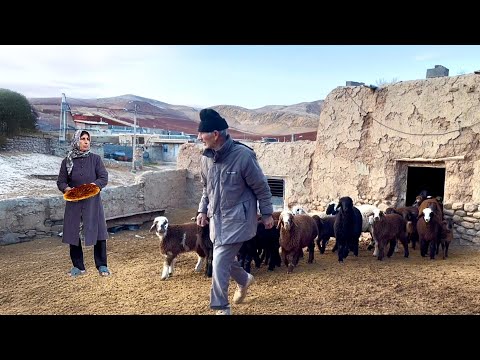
{"points": [[232, 183]]}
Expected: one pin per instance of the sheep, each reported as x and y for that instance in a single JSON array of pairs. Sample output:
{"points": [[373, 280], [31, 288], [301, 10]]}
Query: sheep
{"points": [[365, 210], [447, 235], [296, 232], [247, 253], [388, 228], [262, 247], [325, 230], [268, 245], [430, 231], [410, 215], [347, 227], [434, 204], [206, 245], [177, 239], [298, 210]]}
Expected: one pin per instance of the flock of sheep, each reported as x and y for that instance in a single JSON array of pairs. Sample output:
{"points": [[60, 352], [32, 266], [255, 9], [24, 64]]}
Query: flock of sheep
{"points": [[295, 230]]}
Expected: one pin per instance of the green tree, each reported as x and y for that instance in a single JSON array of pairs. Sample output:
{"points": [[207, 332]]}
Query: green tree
{"points": [[16, 113]]}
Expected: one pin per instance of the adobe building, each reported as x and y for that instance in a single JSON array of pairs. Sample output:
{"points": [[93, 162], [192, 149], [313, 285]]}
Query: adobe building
{"points": [[381, 146], [385, 145]]}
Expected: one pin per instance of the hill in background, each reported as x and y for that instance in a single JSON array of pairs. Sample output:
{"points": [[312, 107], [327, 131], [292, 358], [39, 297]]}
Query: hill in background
{"points": [[269, 121]]}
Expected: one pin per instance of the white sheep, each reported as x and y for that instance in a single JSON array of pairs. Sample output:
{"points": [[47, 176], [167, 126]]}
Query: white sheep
{"points": [[299, 210]]}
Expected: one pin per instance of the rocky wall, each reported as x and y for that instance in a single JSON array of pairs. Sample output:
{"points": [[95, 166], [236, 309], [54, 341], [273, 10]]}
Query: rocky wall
{"points": [[27, 218]]}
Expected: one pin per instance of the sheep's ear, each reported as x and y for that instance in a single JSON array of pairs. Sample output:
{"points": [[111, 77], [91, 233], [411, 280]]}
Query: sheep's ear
{"points": [[279, 223], [154, 223]]}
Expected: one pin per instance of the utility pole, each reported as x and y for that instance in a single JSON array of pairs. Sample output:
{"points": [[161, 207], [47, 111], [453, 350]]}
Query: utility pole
{"points": [[63, 119], [134, 143]]}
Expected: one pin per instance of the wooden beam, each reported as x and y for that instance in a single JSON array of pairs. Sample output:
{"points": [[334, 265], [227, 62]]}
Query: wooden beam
{"points": [[133, 214], [448, 158]]}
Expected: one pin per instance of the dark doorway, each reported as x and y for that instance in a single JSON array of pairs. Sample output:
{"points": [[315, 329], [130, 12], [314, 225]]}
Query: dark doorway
{"points": [[431, 179]]}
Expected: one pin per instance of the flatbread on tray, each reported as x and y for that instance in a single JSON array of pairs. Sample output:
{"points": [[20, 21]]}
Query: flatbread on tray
{"points": [[81, 192]]}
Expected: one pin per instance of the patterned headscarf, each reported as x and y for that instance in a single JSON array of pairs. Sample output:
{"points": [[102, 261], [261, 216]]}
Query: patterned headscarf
{"points": [[75, 151]]}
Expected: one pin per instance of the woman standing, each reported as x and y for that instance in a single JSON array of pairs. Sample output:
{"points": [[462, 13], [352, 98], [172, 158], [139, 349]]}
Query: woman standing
{"points": [[84, 219]]}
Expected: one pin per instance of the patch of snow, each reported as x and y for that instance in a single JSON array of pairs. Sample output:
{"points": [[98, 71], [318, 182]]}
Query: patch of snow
{"points": [[18, 170]]}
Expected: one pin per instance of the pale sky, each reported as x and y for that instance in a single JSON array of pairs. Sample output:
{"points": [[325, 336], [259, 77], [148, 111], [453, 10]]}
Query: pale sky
{"points": [[204, 76]]}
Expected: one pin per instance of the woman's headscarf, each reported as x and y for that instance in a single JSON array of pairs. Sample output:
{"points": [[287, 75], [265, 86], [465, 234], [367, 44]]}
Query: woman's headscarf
{"points": [[75, 151]]}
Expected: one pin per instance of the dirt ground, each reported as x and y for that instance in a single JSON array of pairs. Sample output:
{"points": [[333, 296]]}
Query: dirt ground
{"points": [[34, 281]]}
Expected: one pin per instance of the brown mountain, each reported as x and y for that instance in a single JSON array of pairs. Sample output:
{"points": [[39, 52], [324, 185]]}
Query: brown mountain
{"points": [[269, 121]]}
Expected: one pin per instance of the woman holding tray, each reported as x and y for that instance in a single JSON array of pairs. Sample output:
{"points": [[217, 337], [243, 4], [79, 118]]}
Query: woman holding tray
{"points": [[84, 217]]}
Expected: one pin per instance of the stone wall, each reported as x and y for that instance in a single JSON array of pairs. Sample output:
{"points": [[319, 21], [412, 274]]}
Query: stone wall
{"points": [[34, 143], [28, 218], [466, 218], [291, 161], [44, 144]]}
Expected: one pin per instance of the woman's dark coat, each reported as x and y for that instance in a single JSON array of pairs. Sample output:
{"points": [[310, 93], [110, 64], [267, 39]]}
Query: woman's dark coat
{"points": [[85, 170]]}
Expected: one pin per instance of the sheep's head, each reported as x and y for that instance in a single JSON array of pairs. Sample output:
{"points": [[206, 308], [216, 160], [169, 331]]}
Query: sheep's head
{"points": [[297, 210], [344, 204], [448, 223], [427, 214], [418, 200], [377, 215], [286, 217], [160, 223], [331, 208]]}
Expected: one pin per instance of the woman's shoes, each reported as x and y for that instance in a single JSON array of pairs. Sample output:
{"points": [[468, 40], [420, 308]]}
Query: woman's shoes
{"points": [[74, 272], [103, 271]]}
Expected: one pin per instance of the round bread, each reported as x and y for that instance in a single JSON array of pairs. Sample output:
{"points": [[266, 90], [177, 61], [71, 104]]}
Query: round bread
{"points": [[81, 192]]}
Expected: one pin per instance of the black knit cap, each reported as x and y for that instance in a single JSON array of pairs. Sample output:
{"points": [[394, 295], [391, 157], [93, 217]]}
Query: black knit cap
{"points": [[211, 120]]}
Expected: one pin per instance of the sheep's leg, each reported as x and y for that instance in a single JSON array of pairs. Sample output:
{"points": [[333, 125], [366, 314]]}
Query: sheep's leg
{"points": [[209, 268], [199, 265], [371, 245], [284, 257], [446, 248], [396, 246], [291, 260], [404, 241], [414, 239], [275, 259], [355, 247], [433, 244], [296, 257], [167, 267], [381, 250], [423, 247], [341, 251], [322, 245], [311, 249], [393, 245], [375, 252], [443, 249], [171, 267], [335, 247]]}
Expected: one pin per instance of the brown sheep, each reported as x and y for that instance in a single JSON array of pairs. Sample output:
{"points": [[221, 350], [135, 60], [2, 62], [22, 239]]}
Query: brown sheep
{"points": [[447, 236], [388, 228], [430, 231], [177, 239], [296, 232]]}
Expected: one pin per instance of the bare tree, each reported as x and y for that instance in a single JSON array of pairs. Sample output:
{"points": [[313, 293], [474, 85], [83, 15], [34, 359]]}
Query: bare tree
{"points": [[382, 82]]}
